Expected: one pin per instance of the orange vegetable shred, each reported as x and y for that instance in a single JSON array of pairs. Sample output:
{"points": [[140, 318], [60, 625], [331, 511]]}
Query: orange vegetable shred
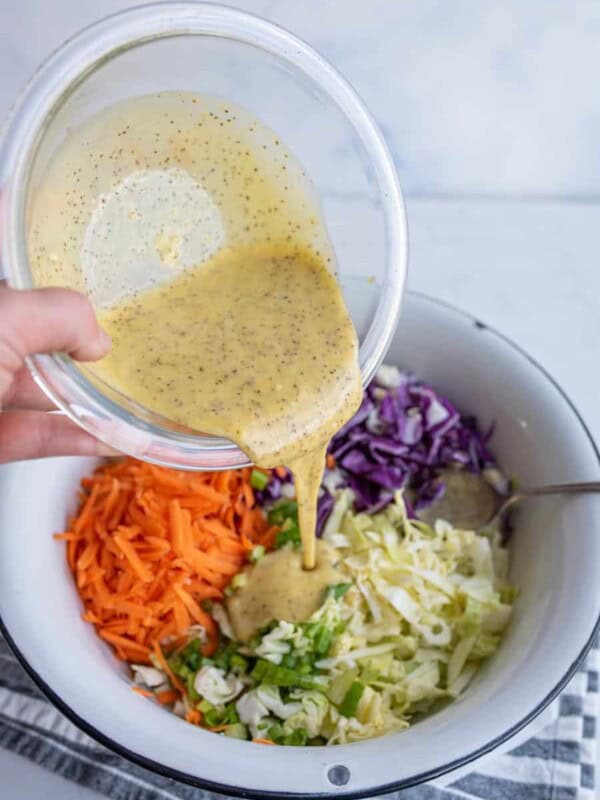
{"points": [[142, 692], [150, 544]]}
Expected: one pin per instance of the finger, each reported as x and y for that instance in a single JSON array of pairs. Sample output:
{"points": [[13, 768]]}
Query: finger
{"points": [[25, 393], [50, 320], [33, 434]]}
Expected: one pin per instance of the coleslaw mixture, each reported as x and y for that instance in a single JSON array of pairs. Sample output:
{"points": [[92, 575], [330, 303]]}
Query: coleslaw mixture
{"points": [[418, 612]]}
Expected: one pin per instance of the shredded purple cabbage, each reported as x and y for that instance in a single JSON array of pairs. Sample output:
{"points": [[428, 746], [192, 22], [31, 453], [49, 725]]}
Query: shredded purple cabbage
{"points": [[401, 437]]}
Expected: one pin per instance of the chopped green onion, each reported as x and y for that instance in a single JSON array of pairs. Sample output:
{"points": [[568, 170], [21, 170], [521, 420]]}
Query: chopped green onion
{"points": [[238, 663], [231, 715], [194, 661], [320, 635], [189, 682], [191, 655], [214, 717], [258, 479], [337, 590], [276, 733], [275, 675], [175, 663], [323, 642], [297, 737], [351, 699], [236, 731], [257, 553], [282, 510], [288, 533], [239, 580], [281, 676], [223, 656], [259, 670]]}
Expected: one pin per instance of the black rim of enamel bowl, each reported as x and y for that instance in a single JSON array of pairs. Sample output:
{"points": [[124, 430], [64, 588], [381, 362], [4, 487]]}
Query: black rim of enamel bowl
{"points": [[405, 783]]}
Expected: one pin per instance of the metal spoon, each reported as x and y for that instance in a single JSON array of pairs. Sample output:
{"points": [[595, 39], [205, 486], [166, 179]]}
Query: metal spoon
{"points": [[470, 502], [589, 487]]}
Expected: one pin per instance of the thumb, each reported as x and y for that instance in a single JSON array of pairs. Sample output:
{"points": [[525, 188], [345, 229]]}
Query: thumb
{"points": [[50, 320]]}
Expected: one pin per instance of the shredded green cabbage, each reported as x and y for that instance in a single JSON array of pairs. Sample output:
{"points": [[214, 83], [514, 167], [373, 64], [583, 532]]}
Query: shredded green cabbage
{"points": [[426, 607]]}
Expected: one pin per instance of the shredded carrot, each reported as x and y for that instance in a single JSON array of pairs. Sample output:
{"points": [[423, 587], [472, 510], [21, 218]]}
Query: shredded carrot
{"points": [[149, 545], [143, 692], [166, 697], [67, 537], [163, 663], [268, 538], [262, 741], [199, 616], [176, 527], [136, 563], [248, 495], [330, 461], [71, 553], [194, 716], [136, 651]]}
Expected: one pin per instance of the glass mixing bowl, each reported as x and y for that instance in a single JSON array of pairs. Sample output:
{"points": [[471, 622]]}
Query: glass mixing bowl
{"points": [[219, 51]]}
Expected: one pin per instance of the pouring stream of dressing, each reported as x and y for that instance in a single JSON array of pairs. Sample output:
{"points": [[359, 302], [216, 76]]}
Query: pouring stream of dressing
{"points": [[255, 345], [197, 236]]}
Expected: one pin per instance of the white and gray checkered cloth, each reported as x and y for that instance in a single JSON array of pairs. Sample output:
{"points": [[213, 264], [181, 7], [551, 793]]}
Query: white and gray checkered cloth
{"points": [[555, 764]]}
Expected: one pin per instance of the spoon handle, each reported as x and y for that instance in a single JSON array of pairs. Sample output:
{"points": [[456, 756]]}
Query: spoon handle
{"points": [[587, 487]]}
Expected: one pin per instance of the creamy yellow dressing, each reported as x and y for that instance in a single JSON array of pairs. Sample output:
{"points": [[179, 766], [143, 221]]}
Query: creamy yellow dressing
{"points": [[278, 588], [196, 234], [255, 345]]}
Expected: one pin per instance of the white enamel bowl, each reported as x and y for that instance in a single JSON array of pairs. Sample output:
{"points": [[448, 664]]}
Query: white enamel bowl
{"points": [[555, 561]]}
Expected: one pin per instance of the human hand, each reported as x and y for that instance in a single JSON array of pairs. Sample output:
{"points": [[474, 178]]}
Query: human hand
{"points": [[43, 321]]}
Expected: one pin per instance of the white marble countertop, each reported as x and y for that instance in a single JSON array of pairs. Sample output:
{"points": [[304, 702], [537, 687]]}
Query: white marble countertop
{"points": [[489, 111], [475, 97]]}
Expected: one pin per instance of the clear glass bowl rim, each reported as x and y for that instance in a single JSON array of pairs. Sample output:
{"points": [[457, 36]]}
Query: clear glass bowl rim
{"points": [[53, 83]]}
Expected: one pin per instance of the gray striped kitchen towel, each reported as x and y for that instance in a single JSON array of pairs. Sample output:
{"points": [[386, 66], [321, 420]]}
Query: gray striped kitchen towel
{"points": [[555, 764]]}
